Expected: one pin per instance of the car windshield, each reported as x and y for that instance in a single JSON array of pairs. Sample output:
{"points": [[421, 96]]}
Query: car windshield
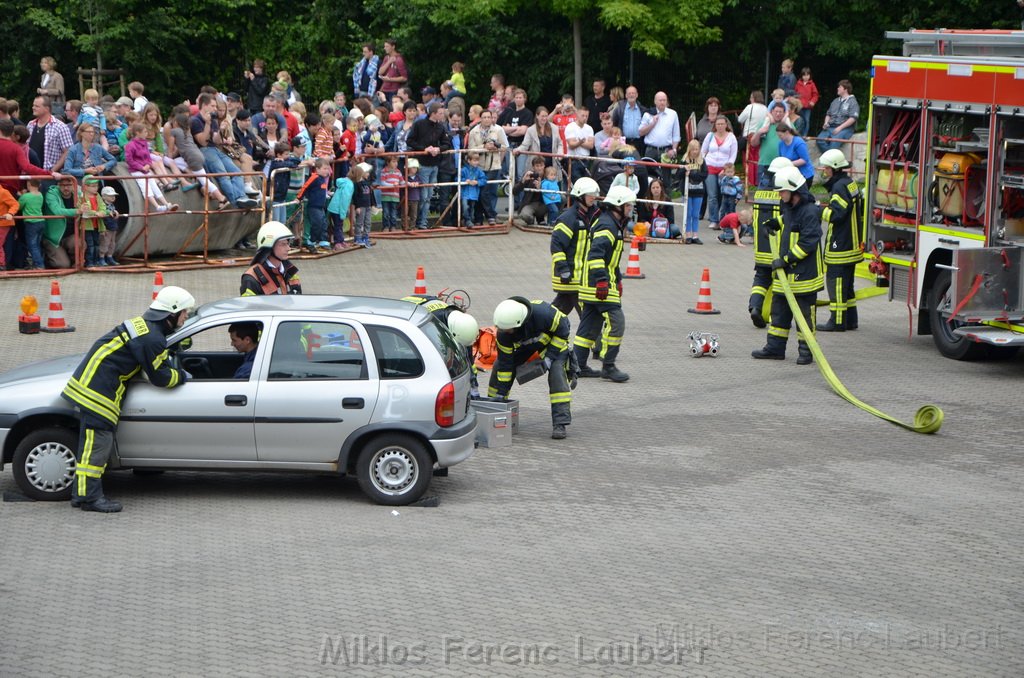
{"points": [[454, 355]]}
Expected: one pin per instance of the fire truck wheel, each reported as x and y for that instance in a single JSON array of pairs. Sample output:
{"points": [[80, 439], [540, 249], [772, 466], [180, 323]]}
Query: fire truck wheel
{"points": [[949, 344]]}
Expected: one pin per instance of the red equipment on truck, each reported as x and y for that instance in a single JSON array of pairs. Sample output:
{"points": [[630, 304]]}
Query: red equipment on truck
{"points": [[945, 192]]}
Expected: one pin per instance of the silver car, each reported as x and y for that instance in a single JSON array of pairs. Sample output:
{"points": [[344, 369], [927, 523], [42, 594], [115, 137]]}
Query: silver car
{"points": [[377, 388]]}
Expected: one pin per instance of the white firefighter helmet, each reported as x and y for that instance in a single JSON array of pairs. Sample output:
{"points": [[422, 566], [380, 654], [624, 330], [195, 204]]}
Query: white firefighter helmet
{"points": [[464, 327], [619, 196], [271, 232], [778, 163], [833, 158], [172, 299], [585, 186], [789, 179], [510, 314]]}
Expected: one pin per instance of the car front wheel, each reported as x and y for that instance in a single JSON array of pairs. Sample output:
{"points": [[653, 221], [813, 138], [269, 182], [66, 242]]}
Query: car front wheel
{"points": [[44, 464], [394, 469]]}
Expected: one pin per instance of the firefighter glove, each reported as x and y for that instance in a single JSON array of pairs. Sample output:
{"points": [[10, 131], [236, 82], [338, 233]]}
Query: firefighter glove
{"points": [[602, 290], [565, 276], [779, 263], [771, 226]]}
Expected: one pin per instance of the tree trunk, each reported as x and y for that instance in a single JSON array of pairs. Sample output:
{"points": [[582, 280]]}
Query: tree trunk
{"points": [[577, 58]]}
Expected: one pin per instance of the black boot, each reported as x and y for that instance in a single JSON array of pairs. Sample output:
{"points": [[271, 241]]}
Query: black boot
{"points": [[613, 373], [582, 354], [831, 326], [558, 432], [767, 354], [805, 357], [101, 505]]}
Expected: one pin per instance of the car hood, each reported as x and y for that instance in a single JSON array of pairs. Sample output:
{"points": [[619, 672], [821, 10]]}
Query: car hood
{"points": [[44, 369]]}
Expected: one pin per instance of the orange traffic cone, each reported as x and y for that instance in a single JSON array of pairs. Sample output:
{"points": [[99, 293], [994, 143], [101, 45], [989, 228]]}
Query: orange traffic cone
{"points": [[158, 283], [421, 282], [704, 306], [633, 264], [55, 318]]}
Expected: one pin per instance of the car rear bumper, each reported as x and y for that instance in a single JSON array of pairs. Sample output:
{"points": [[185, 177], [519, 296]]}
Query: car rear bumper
{"points": [[457, 444]]}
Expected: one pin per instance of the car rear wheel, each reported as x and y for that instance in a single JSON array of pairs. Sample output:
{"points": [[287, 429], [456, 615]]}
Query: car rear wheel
{"points": [[394, 469], [44, 464]]}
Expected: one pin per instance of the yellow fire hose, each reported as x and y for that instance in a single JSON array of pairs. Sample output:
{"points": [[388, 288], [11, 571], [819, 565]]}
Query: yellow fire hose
{"points": [[927, 420]]}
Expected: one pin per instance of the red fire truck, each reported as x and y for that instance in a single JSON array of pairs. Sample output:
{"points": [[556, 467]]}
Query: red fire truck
{"points": [[945, 186]]}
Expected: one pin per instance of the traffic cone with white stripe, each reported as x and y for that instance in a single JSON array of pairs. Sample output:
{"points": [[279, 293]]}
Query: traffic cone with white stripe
{"points": [[421, 282], [633, 264], [55, 318], [704, 306], [158, 283]]}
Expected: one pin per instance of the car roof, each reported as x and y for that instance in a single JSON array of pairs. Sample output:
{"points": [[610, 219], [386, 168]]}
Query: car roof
{"points": [[305, 303]]}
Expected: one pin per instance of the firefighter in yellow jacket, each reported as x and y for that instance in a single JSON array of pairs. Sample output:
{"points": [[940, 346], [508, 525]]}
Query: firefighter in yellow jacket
{"points": [[844, 241], [98, 385], [526, 328], [601, 287], [569, 239], [271, 272], [799, 257], [767, 218]]}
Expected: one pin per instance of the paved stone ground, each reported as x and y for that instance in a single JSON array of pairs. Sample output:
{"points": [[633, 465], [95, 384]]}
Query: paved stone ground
{"points": [[719, 517]]}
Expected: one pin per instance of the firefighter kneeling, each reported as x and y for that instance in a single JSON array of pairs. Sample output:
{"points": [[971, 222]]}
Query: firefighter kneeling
{"points": [[799, 257], [526, 328]]}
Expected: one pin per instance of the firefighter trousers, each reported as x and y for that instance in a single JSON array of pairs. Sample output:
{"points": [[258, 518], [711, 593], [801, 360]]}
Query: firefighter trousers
{"points": [[761, 291], [842, 298], [604, 320], [95, 445], [559, 393], [782, 320]]}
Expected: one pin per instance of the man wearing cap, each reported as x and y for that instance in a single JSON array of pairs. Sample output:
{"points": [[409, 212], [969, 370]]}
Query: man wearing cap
{"points": [[123, 106], [428, 94], [429, 135], [59, 234], [364, 76], [98, 386]]}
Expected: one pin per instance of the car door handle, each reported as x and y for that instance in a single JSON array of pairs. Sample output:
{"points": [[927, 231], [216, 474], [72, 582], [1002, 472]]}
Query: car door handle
{"points": [[352, 403], [235, 400]]}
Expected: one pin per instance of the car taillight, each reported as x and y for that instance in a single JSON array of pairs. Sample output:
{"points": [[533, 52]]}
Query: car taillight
{"points": [[444, 406]]}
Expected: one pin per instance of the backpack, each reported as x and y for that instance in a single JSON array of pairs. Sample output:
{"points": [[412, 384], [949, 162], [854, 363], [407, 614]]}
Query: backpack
{"points": [[485, 348]]}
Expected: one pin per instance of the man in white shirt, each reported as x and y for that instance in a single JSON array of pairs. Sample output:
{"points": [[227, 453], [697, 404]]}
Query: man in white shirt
{"points": [[660, 129], [579, 138]]}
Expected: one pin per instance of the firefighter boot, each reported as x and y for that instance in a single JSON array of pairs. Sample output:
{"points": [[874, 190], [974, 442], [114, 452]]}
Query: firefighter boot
{"points": [[558, 432], [851, 318], [774, 349], [585, 370], [832, 325], [102, 505], [805, 357], [613, 373]]}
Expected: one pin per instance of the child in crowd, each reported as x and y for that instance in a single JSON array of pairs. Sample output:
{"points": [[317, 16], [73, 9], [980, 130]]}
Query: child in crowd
{"points": [[612, 143], [808, 93], [30, 205], [8, 208], [552, 194], [731, 188], [338, 208], [139, 161], [696, 173], [114, 128], [362, 204], [787, 79], [778, 99], [92, 113], [281, 180], [473, 179], [349, 143], [412, 190], [735, 225], [108, 239], [390, 183], [662, 218], [458, 78], [314, 191], [627, 177], [93, 211]]}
